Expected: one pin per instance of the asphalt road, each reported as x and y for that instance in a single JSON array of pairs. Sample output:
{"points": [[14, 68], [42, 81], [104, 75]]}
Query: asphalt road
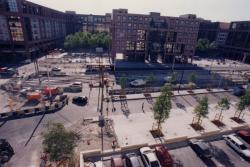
{"points": [[24, 135]]}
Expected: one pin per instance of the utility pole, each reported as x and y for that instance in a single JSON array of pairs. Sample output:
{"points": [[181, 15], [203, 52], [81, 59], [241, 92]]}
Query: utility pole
{"points": [[181, 80], [173, 64], [101, 117]]}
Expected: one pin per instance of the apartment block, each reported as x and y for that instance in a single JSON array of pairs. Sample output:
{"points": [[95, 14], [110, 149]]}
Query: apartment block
{"points": [[28, 29], [238, 41], [214, 31], [153, 37], [93, 23]]}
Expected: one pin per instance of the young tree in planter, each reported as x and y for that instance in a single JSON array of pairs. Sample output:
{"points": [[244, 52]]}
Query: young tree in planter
{"points": [[223, 104], [59, 142], [163, 105], [192, 80], [243, 104], [150, 79], [123, 82], [201, 110], [173, 77]]}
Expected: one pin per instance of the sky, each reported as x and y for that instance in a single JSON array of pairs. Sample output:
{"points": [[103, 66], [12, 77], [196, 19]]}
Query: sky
{"points": [[215, 10]]}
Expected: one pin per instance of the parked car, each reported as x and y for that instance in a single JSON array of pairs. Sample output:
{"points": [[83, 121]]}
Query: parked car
{"points": [[138, 83], [56, 69], [27, 61], [133, 160], [245, 135], [24, 91], [149, 158], [239, 91], [163, 156], [201, 148], [116, 161], [233, 141], [80, 100], [96, 164], [77, 84]]}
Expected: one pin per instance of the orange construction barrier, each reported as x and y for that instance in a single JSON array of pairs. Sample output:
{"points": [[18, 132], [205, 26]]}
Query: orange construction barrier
{"points": [[34, 96]]}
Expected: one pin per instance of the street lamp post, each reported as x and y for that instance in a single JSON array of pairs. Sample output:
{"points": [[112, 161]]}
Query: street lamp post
{"points": [[101, 117], [181, 80]]}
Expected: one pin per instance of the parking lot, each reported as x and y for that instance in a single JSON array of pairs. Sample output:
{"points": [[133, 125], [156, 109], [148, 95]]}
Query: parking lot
{"points": [[222, 156]]}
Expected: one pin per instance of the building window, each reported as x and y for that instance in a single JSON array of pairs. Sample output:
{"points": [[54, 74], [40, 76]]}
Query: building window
{"points": [[16, 29], [130, 45], [12, 6], [234, 26], [140, 34], [4, 32], [140, 46]]}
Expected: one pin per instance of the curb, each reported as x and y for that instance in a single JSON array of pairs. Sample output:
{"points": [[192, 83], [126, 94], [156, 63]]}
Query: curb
{"points": [[116, 98], [34, 110]]}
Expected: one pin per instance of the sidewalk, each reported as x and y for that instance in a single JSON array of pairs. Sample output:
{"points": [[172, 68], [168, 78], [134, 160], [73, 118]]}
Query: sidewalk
{"points": [[175, 93], [134, 130]]}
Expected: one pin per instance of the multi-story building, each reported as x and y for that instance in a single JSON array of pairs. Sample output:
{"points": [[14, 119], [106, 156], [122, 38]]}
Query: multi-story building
{"points": [[153, 37], [238, 41], [93, 23], [28, 29], [214, 31]]}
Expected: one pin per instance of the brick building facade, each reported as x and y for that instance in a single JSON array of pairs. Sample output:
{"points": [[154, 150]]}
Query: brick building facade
{"points": [[153, 37]]}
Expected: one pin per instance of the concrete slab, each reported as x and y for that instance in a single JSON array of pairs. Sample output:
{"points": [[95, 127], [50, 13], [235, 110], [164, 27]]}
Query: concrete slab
{"points": [[133, 130]]}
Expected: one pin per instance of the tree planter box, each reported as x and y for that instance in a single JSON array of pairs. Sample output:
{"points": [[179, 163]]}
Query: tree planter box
{"points": [[156, 133], [197, 127], [238, 120], [218, 123], [208, 89]]}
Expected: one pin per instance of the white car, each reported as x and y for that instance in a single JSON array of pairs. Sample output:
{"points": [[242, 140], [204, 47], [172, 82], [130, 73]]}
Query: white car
{"points": [[96, 164], [149, 158], [77, 84], [233, 141], [56, 69]]}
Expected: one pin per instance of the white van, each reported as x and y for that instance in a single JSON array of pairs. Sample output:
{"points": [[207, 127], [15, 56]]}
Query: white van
{"points": [[233, 141]]}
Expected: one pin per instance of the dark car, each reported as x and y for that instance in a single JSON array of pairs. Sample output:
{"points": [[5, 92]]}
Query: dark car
{"points": [[80, 100], [163, 156], [6, 151], [239, 91], [133, 160], [245, 135], [201, 148], [116, 161]]}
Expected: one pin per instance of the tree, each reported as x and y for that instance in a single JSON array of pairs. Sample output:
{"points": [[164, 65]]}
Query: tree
{"points": [[163, 105], [202, 45], [59, 142], [123, 82], [201, 110], [213, 46], [86, 40], [150, 79], [173, 77], [243, 104], [223, 104]]}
